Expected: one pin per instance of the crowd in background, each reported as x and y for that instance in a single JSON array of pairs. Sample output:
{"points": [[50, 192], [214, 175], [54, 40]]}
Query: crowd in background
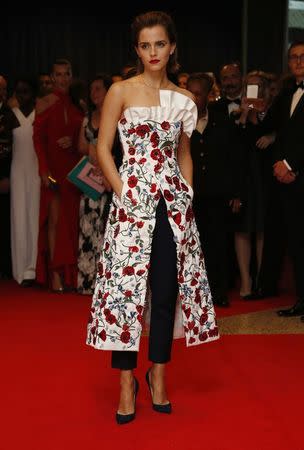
{"points": [[51, 232]]}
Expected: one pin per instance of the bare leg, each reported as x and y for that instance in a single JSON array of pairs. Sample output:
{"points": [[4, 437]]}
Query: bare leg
{"points": [[126, 400], [158, 385], [243, 253], [52, 227]]}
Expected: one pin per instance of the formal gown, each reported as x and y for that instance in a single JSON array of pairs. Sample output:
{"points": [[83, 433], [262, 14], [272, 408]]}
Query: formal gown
{"points": [[150, 137], [25, 198]]}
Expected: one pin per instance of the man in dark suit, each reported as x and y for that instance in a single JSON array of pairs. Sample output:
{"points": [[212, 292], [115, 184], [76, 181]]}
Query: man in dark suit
{"points": [[215, 150], [287, 118]]}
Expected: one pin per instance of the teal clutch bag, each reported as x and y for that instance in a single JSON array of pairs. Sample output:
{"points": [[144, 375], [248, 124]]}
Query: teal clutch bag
{"points": [[87, 178]]}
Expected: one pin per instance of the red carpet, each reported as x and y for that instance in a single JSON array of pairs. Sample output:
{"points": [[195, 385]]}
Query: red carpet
{"points": [[239, 393]]}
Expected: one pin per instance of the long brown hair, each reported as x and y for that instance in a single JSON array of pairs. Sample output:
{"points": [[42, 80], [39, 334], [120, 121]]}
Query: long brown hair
{"points": [[151, 19]]}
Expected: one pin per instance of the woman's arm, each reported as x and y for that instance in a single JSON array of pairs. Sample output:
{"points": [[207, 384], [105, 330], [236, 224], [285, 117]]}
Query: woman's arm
{"points": [[184, 159], [111, 113], [83, 145]]}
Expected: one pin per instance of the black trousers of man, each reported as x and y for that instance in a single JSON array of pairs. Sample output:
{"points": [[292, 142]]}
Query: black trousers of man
{"points": [[164, 287]]}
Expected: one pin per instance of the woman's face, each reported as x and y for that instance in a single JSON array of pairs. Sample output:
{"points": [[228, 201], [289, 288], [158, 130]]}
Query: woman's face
{"points": [[97, 92], [154, 48]]}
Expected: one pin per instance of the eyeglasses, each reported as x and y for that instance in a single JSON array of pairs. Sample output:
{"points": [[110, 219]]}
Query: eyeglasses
{"points": [[296, 58]]}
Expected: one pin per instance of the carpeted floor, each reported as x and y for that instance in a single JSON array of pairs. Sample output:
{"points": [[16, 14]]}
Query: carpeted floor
{"points": [[243, 392]]}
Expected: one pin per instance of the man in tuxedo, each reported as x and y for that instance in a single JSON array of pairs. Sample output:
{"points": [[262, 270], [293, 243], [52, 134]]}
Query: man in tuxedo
{"points": [[215, 149], [287, 118]]}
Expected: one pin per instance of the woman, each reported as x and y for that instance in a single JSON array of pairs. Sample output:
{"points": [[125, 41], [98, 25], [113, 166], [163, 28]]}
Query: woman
{"points": [[250, 222], [92, 217], [150, 230], [25, 187]]}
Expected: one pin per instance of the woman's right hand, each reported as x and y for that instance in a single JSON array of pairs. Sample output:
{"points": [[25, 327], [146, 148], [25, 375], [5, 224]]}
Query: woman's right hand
{"points": [[45, 180]]}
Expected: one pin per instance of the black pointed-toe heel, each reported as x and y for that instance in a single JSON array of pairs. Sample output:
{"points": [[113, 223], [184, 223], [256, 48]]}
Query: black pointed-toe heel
{"points": [[122, 419], [167, 408]]}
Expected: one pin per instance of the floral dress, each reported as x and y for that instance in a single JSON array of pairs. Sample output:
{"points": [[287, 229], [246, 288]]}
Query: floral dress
{"points": [[150, 138], [92, 218]]}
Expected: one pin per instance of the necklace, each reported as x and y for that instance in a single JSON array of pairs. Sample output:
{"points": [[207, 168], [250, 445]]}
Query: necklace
{"points": [[153, 87]]}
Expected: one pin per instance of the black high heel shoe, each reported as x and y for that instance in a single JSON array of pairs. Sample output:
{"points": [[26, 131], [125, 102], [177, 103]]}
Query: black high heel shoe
{"points": [[122, 419], [167, 408]]}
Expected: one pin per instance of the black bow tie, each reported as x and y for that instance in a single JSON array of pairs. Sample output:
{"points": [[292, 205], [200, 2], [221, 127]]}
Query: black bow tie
{"points": [[296, 86], [236, 100]]}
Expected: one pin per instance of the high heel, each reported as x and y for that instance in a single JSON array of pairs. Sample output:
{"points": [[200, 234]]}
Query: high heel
{"points": [[122, 419], [167, 408]]}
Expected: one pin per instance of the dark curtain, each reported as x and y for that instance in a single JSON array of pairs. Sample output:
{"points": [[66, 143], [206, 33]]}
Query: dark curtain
{"points": [[95, 41], [267, 34]]}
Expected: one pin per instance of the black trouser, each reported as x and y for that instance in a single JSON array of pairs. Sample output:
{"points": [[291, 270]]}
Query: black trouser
{"points": [[212, 215], [294, 213], [164, 287]]}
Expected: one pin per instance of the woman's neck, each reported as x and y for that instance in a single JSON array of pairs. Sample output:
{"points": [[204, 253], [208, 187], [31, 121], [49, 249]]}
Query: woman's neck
{"points": [[157, 80]]}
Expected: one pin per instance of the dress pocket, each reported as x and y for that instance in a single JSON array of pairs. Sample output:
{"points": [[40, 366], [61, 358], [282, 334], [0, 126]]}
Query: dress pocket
{"points": [[119, 201], [191, 192]]}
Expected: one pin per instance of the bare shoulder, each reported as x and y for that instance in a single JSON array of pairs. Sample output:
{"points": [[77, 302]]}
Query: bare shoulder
{"points": [[121, 87], [44, 103]]}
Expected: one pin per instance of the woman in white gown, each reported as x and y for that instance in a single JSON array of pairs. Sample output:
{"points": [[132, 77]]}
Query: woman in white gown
{"points": [[25, 187]]}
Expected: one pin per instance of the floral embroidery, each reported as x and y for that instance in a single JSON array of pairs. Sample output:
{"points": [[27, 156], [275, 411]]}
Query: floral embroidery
{"points": [[149, 170]]}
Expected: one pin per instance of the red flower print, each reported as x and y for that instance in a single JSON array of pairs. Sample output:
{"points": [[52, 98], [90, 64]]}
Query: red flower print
{"points": [[107, 246], [129, 193], [123, 121], [140, 224], [125, 327], [191, 325], [142, 161], [128, 270], [122, 216], [108, 275], [195, 330], [177, 183], [194, 282], [107, 312], [155, 154], [177, 218], [142, 130], [103, 304], [168, 179], [132, 151], [188, 312], [214, 332], [157, 168], [134, 249], [140, 273], [131, 219], [140, 318], [181, 279], [128, 294], [139, 309], [189, 214], [131, 130], [154, 139], [106, 295], [168, 152], [161, 159], [191, 340], [125, 337], [103, 335], [100, 269], [168, 195], [153, 188], [132, 161], [184, 187], [203, 319], [117, 230], [165, 125], [111, 319], [203, 336], [132, 181]]}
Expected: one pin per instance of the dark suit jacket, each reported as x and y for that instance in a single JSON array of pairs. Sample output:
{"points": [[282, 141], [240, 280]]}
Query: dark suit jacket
{"points": [[217, 156], [289, 144]]}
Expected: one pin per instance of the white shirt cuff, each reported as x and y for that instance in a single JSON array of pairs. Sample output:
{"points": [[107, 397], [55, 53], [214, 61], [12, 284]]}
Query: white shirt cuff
{"points": [[287, 165]]}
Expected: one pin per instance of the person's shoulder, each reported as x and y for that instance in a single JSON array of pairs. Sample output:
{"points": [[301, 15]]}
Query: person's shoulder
{"points": [[44, 103], [119, 87]]}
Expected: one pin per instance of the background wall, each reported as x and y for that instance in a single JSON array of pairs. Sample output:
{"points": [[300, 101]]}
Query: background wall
{"points": [[252, 31], [101, 42]]}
